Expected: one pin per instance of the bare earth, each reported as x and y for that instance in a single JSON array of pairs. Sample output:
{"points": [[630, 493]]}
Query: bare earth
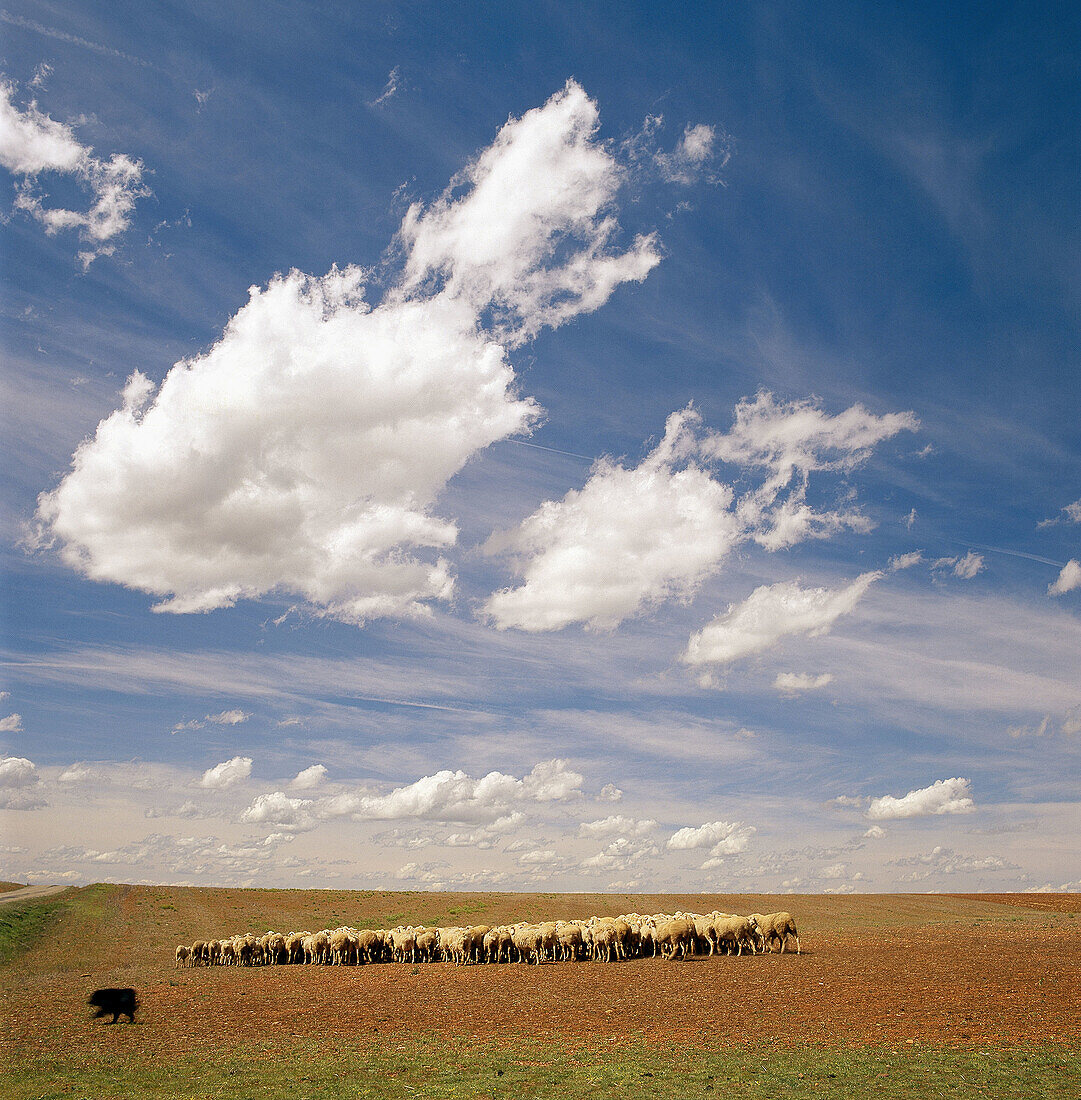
{"points": [[975, 970]]}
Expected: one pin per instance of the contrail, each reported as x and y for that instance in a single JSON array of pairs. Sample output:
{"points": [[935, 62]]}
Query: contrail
{"points": [[554, 450], [63, 36], [1011, 553]]}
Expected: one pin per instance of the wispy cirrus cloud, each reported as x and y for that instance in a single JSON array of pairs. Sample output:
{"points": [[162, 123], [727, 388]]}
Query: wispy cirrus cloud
{"points": [[390, 89], [794, 683]]}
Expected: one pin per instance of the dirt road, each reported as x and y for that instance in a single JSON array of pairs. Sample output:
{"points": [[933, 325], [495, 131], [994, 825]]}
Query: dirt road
{"points": [[31, 893]]}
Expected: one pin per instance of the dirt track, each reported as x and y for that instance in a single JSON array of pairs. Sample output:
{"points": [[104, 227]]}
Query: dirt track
{"points": [[955, 971], [29, 893]]}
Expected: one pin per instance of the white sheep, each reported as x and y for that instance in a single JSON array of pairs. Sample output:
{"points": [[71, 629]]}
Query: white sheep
{"points": [[776, 926]]}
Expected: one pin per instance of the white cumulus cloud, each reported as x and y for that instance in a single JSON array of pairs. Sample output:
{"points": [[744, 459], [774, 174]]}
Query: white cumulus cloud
{"points": [[310, 777], [305, 451], [629, 539], [722, 838], [1070, 513], [531, 239], [13, 723], [946, 796], [16, 771], [231, 717], [227, 773], [457, 796], [633, 538], [698, 146], [32, 144], [279, 810], [770, 613], [1067, 580], [965, 567]]}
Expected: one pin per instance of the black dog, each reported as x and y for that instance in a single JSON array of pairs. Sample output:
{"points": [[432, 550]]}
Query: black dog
{"points": [[119, 1002]]}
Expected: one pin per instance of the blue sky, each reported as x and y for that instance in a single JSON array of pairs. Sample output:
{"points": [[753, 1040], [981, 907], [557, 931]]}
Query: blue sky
{"points": [[540, 446]]}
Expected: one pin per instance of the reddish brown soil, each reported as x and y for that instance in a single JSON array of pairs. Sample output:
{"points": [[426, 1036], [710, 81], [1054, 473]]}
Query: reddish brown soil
{"points": [[875, 969]]}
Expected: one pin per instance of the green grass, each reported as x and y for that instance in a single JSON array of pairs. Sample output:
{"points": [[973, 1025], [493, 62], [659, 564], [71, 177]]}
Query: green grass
{"points": [[23, 924], [446, 1071]]}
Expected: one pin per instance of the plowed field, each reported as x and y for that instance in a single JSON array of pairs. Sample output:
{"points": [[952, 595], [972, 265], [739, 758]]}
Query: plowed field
{"points": [[875, 969]]}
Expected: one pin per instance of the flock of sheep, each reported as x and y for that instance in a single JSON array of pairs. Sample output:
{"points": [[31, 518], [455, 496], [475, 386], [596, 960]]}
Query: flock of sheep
{"points": [[601, 939]]}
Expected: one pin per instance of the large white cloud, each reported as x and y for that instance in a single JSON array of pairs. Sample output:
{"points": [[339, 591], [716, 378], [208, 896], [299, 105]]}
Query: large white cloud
{"points": [[722, 838], [632, 538], [627, 539], [32, 143], [946, 796], [305, 451], [709, 835], [279, 810], [457, 796], [18, 779], [770, 613], [531, 238]]}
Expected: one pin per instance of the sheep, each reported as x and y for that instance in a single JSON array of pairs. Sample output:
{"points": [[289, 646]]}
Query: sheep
{"points": [[601, 938], [275, 951], [674, 937], [317, 948], [403, 942], [734, 932], [776, 926], [342, 947], [248, 951], [606, 936], [428, 944], [474, 942], [549, 939], [569, 935], [527, 942], [499, 944], [294, 947], [490, 945], [452, 941], [369, 946]]}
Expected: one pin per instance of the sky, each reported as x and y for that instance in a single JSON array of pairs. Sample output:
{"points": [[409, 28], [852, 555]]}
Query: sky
{"points": [[602, 447]]}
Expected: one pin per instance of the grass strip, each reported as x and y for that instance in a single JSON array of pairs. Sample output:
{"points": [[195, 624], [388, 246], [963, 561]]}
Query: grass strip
{"points": [[24, 923], [537, 1071]]}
